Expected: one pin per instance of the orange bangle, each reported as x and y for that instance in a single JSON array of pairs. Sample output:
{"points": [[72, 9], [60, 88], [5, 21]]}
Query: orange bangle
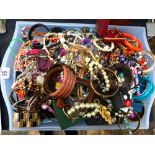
{"points": [[130, 46]]}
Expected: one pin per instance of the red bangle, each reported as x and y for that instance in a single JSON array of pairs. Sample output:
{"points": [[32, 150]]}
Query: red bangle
{"points": [[130, 46]]}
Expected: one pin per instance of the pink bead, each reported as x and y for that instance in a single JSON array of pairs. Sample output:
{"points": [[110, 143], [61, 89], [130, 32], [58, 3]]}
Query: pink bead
{"points": [[44, 106]]}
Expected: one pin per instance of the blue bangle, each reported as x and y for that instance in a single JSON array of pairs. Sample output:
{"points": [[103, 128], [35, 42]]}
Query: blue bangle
{"points": [[147, 92]]}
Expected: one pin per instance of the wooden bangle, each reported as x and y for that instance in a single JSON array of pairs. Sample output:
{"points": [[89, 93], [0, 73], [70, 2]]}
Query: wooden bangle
{"points": [[67, 84]]}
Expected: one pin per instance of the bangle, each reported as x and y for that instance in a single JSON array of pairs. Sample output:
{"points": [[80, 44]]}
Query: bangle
{"points": [[127, 119], [106, 48], [124, 74], [80, 89], [57, 29], [26, 119], [87, 84], [96, 65], [67, 85], [130, 46], [54, 42], [147, 92], [35, 27], [26, 28], [152, 57], [73, 37], [105, 77], [18, 106]]}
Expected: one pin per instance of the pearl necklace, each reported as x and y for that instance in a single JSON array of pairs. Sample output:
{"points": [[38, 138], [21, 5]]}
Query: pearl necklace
{"points": [[77, 107]]}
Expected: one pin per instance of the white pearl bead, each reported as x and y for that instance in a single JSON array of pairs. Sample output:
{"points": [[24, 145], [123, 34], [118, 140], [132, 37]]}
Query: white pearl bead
{"points": [[87, 59], [72, 110], [90, 65], [108, 85], [98, 106], [88, 105], [107, 81], [93, 113], [84, 116], [125, 97], [99, 66], [96, 63], [96, 110], [122, 79], [92, 105], [77, 107], [69, 112], [88, 115], [107, 89], [105, 77], [103, 72], [82, 106], [95, 104], [91, 69], [40, 80]]}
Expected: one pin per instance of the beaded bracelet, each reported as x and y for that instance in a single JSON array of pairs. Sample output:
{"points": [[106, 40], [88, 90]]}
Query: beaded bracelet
{"points": [[99, 67], [76, 36], [126, 121], [106, 48], [83, 106]]}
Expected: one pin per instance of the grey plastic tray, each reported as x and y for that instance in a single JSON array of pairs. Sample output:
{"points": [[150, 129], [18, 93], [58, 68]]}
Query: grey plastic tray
{"points": [[8, 61]]}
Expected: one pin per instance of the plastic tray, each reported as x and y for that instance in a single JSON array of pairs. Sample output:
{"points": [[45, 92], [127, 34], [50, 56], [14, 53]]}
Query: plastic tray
{"points": [[8, 61]]}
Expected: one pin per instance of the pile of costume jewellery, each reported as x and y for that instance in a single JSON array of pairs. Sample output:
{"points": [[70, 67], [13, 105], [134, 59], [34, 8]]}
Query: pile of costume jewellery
{"points": [[80, 76]]}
